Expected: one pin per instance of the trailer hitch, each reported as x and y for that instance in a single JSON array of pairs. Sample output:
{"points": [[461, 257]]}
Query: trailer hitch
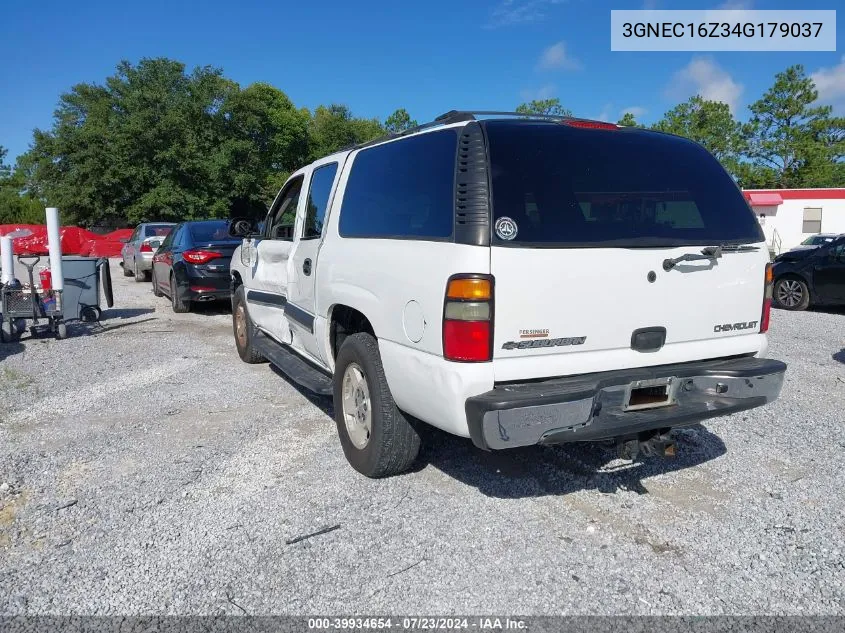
{"points": [[649, 444]]}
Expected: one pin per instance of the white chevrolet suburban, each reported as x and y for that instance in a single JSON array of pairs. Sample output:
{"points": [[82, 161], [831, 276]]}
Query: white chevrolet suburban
{"points": [[514, 280]]}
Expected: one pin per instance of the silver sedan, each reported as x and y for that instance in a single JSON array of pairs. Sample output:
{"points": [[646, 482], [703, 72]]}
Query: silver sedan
{"points": [[137, 252]]}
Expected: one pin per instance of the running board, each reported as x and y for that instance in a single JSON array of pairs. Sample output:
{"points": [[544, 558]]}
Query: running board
{"points": [[292, 365]]}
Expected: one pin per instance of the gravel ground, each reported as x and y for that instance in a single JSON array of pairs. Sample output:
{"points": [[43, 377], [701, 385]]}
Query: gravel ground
{"points": [[145, 470]]}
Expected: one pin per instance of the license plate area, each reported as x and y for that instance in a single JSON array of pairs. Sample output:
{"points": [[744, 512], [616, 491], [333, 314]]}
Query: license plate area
{"points": [[649, 394]]}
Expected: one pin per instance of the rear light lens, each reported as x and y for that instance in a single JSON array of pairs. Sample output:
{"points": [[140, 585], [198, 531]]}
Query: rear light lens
{"points": [[466, 340], [469, 289], [767, 300], [202, 289], [592, 125], [200, 257], [146, 248], [468, 319]]}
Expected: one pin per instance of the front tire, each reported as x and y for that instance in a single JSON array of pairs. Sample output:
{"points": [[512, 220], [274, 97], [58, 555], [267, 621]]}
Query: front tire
{"points": [[180, 306], [791, 293], [244, 330], [377, 439]]}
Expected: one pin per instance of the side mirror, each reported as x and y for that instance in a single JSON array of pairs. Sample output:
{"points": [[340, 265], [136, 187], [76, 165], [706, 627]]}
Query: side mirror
{"points": [[242, 227]]}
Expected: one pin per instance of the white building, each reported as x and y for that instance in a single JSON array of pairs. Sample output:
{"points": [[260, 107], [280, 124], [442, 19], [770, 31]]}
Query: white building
{"points": [[788, 216]]}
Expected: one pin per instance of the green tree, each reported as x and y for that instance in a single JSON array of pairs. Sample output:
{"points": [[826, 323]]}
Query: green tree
{"points": [[17, 206], [155, 142], [544, 106], [709, 123], [333, 127], [791, 141], [628, 120], [265, 139], [399, 121]]}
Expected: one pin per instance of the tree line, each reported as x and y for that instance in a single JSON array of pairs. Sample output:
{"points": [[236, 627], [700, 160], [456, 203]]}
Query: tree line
{"points": [[156, 142]]}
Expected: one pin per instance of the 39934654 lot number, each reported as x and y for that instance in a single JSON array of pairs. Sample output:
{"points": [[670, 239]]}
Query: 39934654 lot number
{"points": [[416, 623]]}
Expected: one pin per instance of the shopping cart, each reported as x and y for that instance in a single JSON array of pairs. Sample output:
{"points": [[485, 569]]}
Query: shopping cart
{"points": [[21, 303]]}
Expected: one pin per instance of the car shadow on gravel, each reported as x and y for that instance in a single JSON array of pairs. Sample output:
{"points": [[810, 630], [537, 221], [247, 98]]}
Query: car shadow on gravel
{"points": [[839, 356], [111, 319], [539, 471], [212, 308], [10, 348]]}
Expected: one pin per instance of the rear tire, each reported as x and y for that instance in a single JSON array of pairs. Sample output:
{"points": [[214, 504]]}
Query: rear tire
{"points": [[791, 293], [140, 275], [180, 306], [390, 445], [126, 271], [244, 329], [61, 331]]}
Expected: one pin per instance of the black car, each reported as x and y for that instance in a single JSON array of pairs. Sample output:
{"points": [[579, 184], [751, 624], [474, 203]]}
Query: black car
{"points": [[810, 276], [192, 264]]}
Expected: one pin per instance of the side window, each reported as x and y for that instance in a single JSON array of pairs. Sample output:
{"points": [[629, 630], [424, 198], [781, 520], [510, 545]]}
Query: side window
{"points": [[837, 253], [812, 220], [134, 237], [318, 200], [402, 189], [281, 220]]}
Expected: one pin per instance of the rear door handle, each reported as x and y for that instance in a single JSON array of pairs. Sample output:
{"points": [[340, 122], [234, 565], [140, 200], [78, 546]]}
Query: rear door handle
{"points": [[306, 267]]}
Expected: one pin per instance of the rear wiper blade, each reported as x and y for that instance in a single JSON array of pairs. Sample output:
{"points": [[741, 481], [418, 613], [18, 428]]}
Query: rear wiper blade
{"points": [[708, 252]]}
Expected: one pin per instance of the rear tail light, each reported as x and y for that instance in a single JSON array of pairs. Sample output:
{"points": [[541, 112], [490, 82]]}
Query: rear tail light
{"points": [[468, 319], [592, 125], [146, 248], [200, 257], [202, 289], [767, 300]]}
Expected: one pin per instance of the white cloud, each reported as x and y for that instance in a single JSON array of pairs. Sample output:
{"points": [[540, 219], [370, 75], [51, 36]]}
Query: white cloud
{"points": [[703, 76], [512, 12], [830, 82], [555, 57], [546, 91], [637, 111]]}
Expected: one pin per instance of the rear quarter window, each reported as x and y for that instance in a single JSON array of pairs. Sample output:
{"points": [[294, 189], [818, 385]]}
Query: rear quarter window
{"points": [[569, 187], [402, 189]]}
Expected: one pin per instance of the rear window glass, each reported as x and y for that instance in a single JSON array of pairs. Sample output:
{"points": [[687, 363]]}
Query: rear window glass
{"points": [[564, 186], [402, 189], [157, 230], [215, 231]]}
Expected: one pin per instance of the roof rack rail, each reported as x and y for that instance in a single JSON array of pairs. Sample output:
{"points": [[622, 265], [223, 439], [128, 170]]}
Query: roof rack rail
{"points": [[453, 116], [458, 116]]}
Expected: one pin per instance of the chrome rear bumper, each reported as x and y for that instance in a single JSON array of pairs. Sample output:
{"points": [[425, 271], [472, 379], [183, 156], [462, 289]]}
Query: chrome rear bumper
{"points": [[596, 407]]}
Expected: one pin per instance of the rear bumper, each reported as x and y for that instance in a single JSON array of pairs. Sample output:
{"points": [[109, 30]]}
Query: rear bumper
{"points": [[591, 406], [201, 285]]}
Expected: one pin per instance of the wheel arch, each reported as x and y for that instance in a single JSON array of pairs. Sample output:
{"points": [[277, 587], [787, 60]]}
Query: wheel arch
{"points": [[343, 320]]}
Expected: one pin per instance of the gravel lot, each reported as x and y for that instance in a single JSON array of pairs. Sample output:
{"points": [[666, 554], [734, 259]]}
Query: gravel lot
{"points": [[145, 470]]}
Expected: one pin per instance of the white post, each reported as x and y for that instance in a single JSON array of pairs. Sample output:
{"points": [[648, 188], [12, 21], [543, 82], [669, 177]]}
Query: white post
{"points": [[54, 245], [6, 259]]}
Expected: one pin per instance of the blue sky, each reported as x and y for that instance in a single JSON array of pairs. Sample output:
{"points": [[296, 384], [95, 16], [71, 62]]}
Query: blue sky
{"points": [[378, 56]]}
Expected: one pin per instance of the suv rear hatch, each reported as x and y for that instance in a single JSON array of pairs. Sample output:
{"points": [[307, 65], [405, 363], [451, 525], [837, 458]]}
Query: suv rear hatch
{"points": [[583, 221]]}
